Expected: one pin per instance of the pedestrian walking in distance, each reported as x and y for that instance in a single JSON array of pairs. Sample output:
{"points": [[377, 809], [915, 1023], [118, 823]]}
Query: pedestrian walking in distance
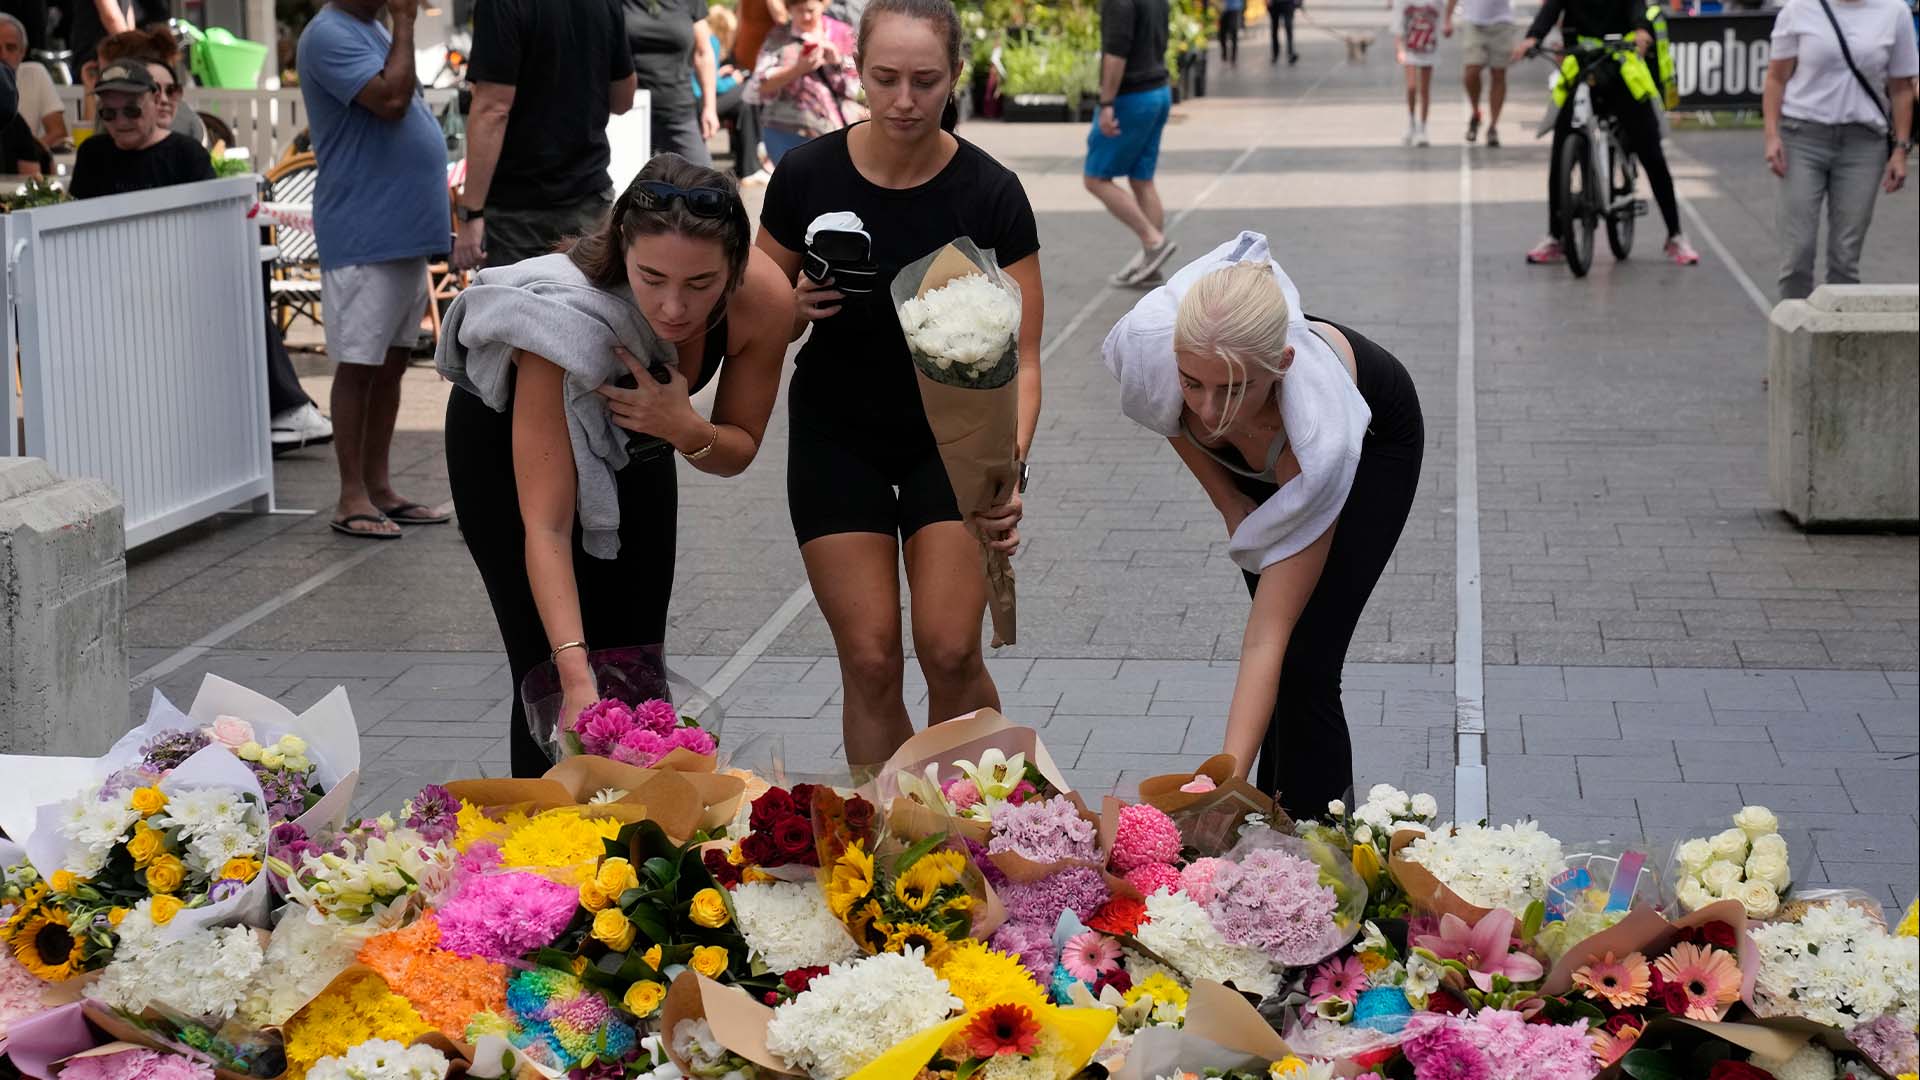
{"points": [[1307, 438], [1280, 17], [1417, 29], [1486, 45], [1135, 100], [1232, 14], [1839, 126]]}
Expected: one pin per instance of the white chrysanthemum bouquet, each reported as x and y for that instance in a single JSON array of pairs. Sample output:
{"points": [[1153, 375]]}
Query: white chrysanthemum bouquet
{"points": [[960, 314]]}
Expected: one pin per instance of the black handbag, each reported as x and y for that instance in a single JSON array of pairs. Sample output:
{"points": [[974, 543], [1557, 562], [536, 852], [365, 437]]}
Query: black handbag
{"points": [[1847, 55]]}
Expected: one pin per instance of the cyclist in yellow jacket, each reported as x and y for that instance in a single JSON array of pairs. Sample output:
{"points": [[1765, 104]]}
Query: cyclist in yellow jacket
{"points": [[1629, 99]]}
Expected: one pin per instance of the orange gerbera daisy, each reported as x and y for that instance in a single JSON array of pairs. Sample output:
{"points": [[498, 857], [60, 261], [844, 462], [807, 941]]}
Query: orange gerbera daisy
{"points": [[1620, 983], [1708, 977]]}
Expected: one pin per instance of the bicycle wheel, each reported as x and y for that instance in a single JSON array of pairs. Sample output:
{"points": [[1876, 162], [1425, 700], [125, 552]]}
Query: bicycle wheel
{"points": [[1620, 215], [1575, 187]]}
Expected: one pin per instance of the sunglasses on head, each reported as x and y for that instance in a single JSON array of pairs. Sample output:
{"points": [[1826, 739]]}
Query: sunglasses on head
{"points": [[703, 202], [110, 113]]}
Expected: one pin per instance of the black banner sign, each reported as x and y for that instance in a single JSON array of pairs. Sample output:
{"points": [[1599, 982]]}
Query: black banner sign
{"points": [[1720, 61]]}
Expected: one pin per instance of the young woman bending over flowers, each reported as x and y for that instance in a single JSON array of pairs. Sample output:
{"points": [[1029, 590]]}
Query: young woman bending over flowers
{"points": [[568, 562]]}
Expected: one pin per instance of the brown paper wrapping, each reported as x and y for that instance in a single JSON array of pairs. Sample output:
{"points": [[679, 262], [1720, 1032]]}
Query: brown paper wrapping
{"points": [[1223, 1015], [976, 430], [1773, 1040], [1425, 891], [682, 802], [738, 1021], [1648, 933], [1210, 820], [964, 738]]}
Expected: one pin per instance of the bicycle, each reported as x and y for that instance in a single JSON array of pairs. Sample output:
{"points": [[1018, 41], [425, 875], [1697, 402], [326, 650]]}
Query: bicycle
{"points": [[1593, 150]]}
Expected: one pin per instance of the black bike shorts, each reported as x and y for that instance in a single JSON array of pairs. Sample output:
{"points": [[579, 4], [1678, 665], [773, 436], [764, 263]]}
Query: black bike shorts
{"points": [[847, 478]]}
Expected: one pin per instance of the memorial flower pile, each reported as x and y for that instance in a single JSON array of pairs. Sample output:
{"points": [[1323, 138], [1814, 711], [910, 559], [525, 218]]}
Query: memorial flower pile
{"points": [[808, 930]]}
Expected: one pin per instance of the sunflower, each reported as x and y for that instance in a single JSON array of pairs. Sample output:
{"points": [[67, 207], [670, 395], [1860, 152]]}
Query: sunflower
{"points": [[913, 935], [946, 865], [851, 882], [867, 927], [24, 909], [916, 887], [46, 948]]}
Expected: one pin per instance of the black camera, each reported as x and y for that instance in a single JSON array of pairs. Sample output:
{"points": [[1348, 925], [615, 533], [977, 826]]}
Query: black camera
{"points": [[846, 257]]}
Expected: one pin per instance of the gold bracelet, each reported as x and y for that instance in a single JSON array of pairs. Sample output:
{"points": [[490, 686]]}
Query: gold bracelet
{"points": [[707, 449], [563, 647]]}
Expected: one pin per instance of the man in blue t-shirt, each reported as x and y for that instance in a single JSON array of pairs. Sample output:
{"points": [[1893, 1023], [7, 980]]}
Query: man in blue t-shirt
{"points": [[380, 209]]}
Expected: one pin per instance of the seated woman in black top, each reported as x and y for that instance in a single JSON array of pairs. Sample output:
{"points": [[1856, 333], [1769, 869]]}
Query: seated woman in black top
{"points": [[138, 152], [864, 478]]}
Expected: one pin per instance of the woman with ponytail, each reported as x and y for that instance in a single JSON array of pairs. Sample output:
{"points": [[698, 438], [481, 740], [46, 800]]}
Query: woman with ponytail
{"points": [[864, 480]]}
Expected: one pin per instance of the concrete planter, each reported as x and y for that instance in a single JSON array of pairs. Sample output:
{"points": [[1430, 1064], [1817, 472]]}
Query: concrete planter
{"points": [[1843, 434]]}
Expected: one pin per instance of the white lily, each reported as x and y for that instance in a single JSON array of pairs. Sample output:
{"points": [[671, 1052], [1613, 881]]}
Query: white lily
{"points": [[996, 775], [925, 791]]}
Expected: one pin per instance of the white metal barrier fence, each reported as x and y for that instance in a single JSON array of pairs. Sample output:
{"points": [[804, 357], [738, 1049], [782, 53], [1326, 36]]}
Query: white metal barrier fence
{"points": [[263, 121], [143, 348]]}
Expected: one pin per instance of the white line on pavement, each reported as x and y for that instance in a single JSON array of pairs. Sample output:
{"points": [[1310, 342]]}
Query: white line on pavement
{"points": [[1469, 687], [219, 635], [1726, 257], [790, 609]]}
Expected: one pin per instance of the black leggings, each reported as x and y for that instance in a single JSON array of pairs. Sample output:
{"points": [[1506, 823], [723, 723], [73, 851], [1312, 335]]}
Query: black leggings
{"points": [[1307, 756], [623, 601], [1277, 16], [1230, 35], [1641, 130]]}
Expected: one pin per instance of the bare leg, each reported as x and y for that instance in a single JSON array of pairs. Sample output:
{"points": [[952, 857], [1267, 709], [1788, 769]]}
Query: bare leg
{"points": [[856, 582], [383, 412], [1496, 96], [949, 596], [1148, 196], [351, 403], [1426, 92], [1122, 205], [1471, 79], [1413, 91]]}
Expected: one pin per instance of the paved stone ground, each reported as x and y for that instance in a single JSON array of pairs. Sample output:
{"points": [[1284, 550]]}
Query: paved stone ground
{"points": [[1660, 645]]}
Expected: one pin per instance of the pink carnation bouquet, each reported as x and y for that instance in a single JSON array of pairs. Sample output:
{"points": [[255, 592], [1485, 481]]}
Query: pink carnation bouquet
{"points": [[636, 734]]}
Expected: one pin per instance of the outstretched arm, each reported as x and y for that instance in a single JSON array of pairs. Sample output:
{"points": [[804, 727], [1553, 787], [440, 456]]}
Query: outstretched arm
{"points": [[1277, 603]]}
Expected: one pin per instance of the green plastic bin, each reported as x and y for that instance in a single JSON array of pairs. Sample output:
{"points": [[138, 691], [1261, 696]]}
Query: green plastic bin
{"points": [[221, 60]]}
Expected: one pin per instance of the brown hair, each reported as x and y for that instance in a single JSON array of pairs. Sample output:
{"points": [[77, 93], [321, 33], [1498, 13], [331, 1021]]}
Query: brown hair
{"points": [[155, 46], [945, 20], [602, 254]]}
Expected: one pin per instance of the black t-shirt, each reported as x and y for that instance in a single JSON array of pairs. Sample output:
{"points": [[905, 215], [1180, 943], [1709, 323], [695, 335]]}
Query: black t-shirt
{"points": [[561, 56], [101, 168], [1137, 30], [856, 367], [660, 35], [18, 146], [84, 31]]}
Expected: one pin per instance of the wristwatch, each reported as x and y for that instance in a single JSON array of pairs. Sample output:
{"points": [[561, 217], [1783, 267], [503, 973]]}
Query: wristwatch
{"points": [[1905, 146], [1108, 104], [1026, 473], [465, 214]]}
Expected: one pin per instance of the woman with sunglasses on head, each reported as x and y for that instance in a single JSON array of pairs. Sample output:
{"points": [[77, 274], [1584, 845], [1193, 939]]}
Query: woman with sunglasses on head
{"points": [[864, 479], [573, 375]]}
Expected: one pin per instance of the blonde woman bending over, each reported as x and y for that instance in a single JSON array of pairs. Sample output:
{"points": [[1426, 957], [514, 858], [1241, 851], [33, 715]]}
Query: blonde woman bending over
{"points": [[1308, 438]]}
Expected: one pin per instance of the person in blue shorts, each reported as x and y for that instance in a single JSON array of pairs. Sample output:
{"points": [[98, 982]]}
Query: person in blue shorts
{"points": [[1135, 101]]}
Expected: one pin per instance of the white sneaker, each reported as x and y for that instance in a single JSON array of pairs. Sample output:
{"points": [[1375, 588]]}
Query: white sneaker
{"points": [[1413, 130], [299, 427], [758, 178], [1420, 136]]}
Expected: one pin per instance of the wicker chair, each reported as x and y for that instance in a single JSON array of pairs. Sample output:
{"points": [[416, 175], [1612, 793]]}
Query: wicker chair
{"points": [[296, 269]]}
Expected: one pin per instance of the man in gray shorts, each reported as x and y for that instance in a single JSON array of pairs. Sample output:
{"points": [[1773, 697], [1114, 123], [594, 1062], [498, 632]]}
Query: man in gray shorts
{"points": [[1487, 43], [380, 210]]}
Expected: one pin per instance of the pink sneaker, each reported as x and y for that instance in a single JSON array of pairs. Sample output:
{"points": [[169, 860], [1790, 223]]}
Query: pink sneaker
{"points": [[1546, 251], [1681, 252]]}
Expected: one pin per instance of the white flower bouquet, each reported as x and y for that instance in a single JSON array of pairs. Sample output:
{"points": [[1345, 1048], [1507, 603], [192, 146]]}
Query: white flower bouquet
{"points": [[1750, 862], [960, 315], [1836, 964], [1505, 867], [856, 1012]]}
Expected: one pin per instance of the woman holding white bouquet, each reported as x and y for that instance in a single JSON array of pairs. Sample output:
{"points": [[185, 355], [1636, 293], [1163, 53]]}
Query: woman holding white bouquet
{"points": [[844, 215], [1307, 437]]}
